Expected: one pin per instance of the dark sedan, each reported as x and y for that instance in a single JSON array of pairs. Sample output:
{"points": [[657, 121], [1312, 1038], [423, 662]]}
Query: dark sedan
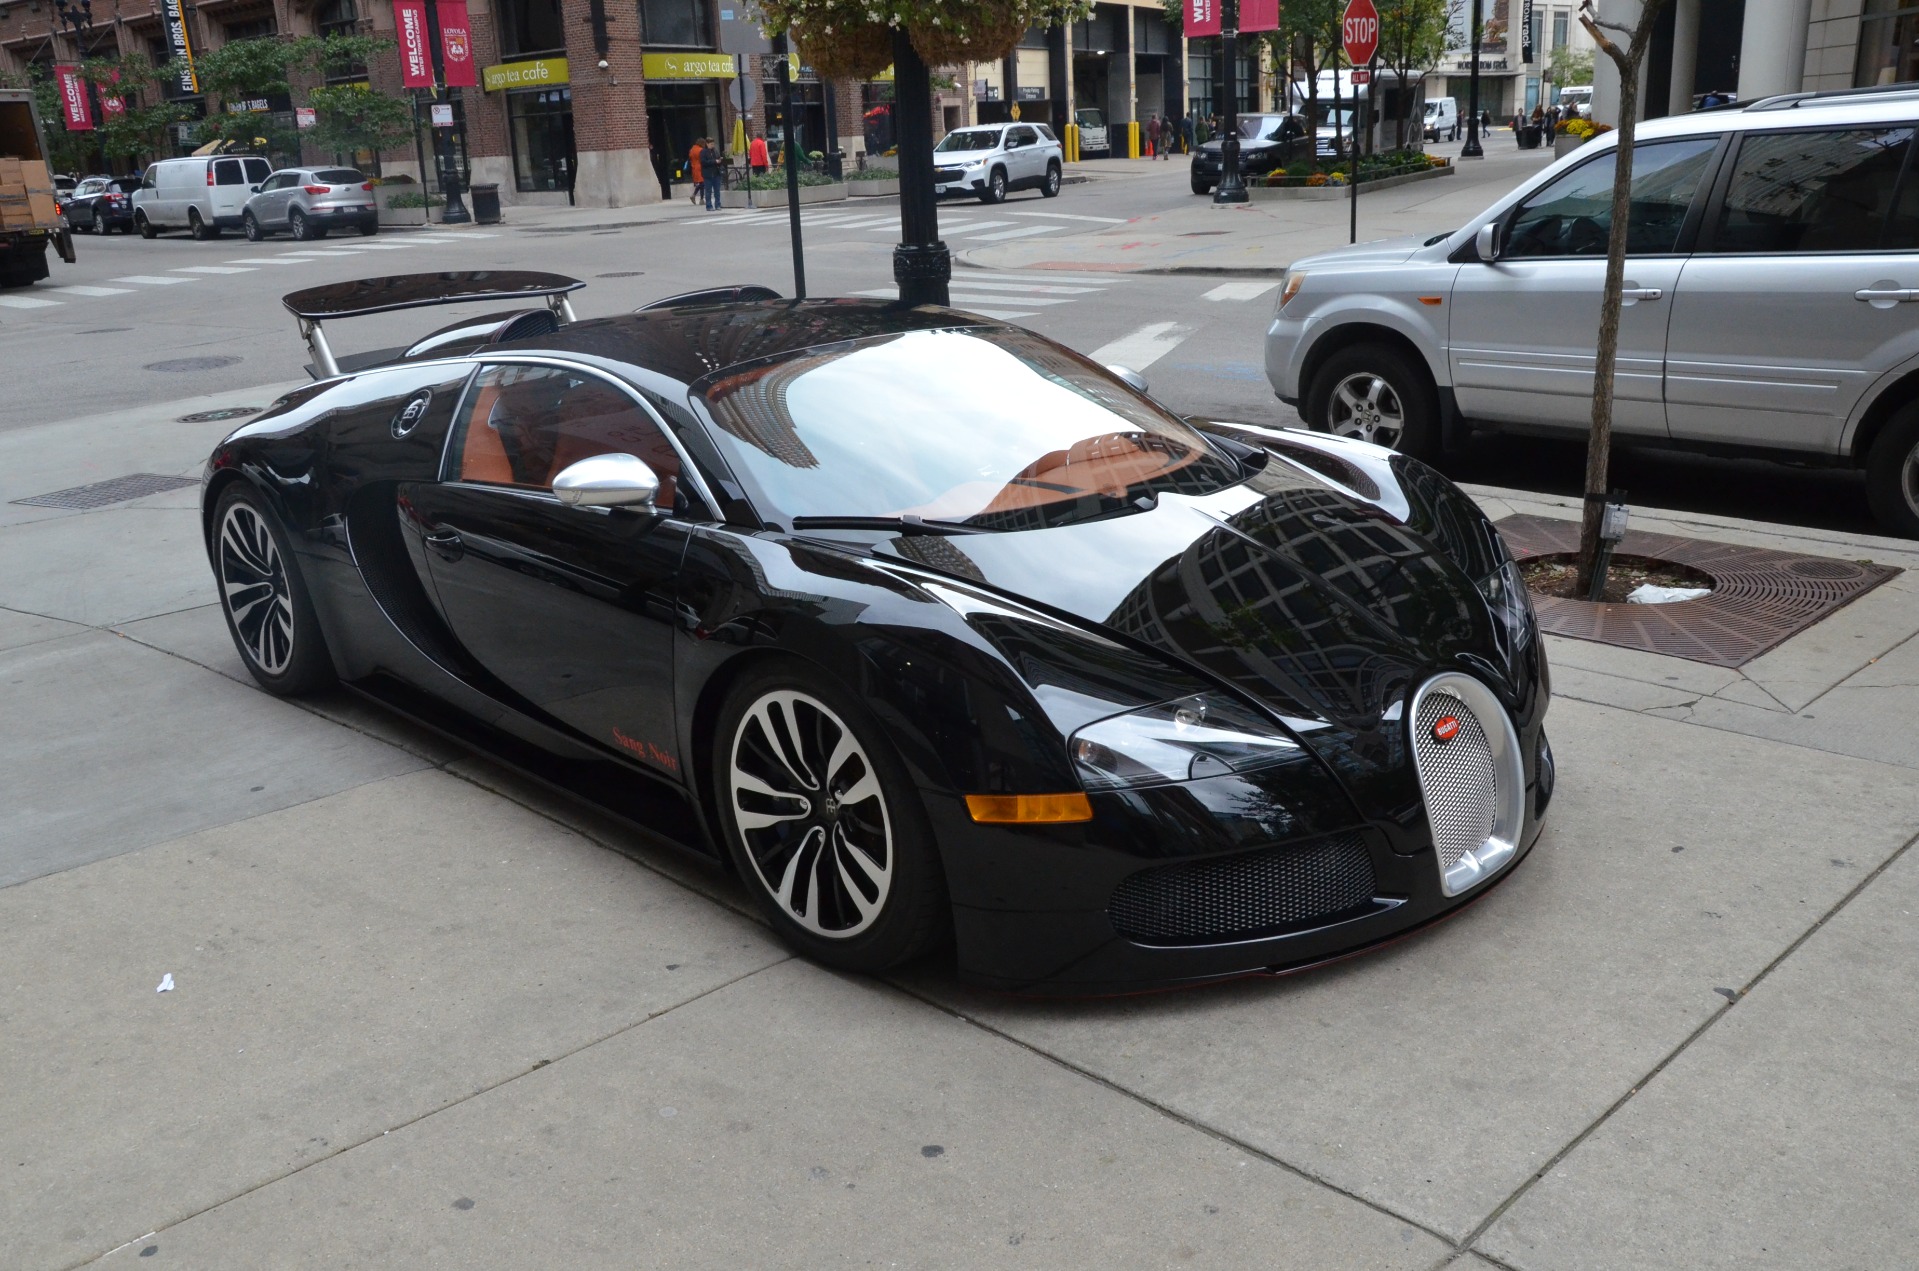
{"points": [[1266, 143], [101, 205], [932, 630]]}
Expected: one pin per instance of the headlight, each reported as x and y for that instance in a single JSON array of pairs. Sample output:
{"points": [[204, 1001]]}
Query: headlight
{"points": [[1293, 280], [1512, 608], [1205, 735]]}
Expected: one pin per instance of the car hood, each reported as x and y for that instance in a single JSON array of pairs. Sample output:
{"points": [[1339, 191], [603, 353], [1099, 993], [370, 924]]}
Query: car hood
{"points": [[1384, 251], [1212, 148], [956, 157], [1328, 586]]}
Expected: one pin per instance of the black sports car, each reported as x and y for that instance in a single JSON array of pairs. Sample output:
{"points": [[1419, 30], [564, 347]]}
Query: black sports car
{"points": [[931, 628]]}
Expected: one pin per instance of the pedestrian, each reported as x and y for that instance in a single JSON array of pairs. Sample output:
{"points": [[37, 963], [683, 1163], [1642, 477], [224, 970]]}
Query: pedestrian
{"points": [[1486, 119], [1152, 136], [1186, 132], [756, 154], [715, 164], [694, 170]]}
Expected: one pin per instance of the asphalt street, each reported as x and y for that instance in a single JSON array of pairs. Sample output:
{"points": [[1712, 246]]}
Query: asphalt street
{"points": [[136, 322]]}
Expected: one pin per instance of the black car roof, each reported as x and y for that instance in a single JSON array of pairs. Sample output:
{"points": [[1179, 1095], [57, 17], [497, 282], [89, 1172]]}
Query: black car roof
{"points": [[695, 341]]}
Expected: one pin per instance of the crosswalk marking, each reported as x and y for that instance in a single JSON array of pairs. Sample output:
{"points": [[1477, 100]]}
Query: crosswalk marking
{"points": [[970, 283], [26, 302], [1074, 216], [76, 290], [1002, 315], [959, 296], [153, 280], [1239, 291], [382, 247], [1062, 275], [1023, 232], [1143, 347], [268, 260], [334, 251], [210, 269]]}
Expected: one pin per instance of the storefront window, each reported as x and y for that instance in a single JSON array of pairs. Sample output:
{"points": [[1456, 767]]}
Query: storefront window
{"points": [[677, 115], [541, 121], [676, 23], [809, 115], [876, 110], [528, 27], [1888, 43]]}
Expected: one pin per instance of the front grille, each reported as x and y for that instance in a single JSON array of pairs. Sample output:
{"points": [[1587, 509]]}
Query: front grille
{"points": [[1243, 897], [1458, 778]]}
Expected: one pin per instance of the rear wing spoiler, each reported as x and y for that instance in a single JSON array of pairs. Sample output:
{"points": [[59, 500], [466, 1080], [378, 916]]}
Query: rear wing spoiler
{"points": [[367, 296]]}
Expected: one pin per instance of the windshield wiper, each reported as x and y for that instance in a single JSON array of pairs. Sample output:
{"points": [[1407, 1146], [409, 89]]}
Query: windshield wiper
{"points": [[899, 524]]}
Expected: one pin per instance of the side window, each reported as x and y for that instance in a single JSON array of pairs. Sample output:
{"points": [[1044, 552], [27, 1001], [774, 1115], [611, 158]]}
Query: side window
{"points": [[525, 425], [227, 172], [1022, 137], [1573, 215], [151, 179], [257, 170], [1815, 192]]}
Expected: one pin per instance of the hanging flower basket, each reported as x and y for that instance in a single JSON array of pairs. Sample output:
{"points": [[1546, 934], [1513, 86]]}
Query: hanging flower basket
{"points": [[852, 49], [984, 31]]}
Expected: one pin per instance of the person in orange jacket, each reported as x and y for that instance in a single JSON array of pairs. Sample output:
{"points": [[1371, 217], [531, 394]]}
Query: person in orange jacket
{"points": [[694, 170], [756, 154]]}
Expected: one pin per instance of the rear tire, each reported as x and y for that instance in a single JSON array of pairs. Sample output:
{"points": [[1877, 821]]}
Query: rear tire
{"points": [[264, 598], [369, 228], [198, 227], [843, 862], [141, 223], [297, 223], [1370, 392], [1892, 474]]}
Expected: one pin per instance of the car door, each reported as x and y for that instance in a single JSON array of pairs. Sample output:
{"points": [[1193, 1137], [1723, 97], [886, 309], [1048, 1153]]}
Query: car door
{"points": [[278, 192], [1021, 149], [570, 608], [1799, 295], [229, 191], [1524, 328]]}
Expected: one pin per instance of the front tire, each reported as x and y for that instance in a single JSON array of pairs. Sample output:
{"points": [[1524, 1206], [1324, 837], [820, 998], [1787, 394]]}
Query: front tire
{"points": [[1201, 187], [264, 598], [1370, 392], [995, 191], [1892, 474], [1051, 188], [250, 225], [823, 824]]}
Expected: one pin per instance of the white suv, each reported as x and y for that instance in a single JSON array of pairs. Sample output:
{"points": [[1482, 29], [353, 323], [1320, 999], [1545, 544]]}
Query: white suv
{"points": [[1771, 255], [987, 160]]}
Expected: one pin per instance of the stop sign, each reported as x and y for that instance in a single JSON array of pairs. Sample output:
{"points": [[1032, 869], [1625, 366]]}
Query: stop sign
{"points": [[1359, 31]]}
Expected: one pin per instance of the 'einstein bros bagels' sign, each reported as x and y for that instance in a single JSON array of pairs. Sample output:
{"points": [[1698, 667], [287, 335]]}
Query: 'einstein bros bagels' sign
{"points": [[541, 72]]}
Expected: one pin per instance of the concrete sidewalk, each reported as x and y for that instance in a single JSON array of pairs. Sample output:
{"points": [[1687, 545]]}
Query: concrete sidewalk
{"points": [[426, 1015]]}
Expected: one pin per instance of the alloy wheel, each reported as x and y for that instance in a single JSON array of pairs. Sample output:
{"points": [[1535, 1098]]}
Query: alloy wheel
{"points": [[811, 814], [254, 588], [1909, 480], [1365, 406]]}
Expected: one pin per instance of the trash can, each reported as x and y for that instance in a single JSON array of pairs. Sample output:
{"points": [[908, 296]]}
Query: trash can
{"points": [[486, 203], [835, 164]]}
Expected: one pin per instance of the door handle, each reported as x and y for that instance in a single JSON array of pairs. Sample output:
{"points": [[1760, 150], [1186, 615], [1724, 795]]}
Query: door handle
{"points": [[446, 544], [1892, 294], [1640, 293]]}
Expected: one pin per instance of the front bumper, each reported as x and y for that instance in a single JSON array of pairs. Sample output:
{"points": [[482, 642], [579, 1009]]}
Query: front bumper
{"points": [[958, 181]]}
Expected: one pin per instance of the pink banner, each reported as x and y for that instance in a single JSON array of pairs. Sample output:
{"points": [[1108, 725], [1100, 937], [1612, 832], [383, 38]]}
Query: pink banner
{"points": [[416, 55], [113, 107], [1202, 18], [456, 46], [1258, 15], [73, 99]]}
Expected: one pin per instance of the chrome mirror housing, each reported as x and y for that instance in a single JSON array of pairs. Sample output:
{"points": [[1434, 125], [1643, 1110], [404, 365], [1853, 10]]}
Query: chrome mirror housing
{"points": [[1133, 378], [1486, 241], [608, 481]]}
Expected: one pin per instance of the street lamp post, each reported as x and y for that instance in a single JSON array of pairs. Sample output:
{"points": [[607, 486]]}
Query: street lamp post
{"points": [[78, 20], [1232, 186], [921, 264], [1472, 150], [455, 212]]}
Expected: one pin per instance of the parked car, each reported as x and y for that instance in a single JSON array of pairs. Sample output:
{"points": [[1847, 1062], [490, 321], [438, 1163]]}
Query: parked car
{"points": [[1094, 138], [931, 629], [101, 205], [203, 195], [1442, 119], [988, 160], [1266, 143], [1772, 253], [307, 202]]}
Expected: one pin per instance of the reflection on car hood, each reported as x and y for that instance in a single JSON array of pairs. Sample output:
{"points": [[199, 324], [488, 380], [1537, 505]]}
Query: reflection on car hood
{"points": [[960, 156], [1212, 148], [1382, 251]]}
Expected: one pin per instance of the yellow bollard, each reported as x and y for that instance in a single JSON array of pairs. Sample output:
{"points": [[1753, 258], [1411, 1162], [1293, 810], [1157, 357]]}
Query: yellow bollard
{"points": [[1132, 140], [1070, 143]]}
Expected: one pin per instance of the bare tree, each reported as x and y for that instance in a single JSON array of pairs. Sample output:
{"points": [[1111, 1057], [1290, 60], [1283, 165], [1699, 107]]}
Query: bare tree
{"points": [[1599, 441]]}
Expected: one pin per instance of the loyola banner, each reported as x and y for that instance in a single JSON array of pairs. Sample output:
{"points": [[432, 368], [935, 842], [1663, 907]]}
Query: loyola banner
{"points": [[73, 99], [416, 56], [456, 46]]}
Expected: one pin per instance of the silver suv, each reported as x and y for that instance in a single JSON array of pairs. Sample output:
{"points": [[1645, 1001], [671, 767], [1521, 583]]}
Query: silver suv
{"points": [[987, 160], [1772, 252], [307, 202]]}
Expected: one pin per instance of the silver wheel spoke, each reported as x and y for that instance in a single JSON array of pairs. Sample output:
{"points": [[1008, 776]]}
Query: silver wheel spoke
{"points": [[752, 819], [255, 590]]}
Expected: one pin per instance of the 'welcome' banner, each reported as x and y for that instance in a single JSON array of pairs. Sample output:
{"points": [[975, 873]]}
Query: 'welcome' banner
{"points": [[1202, 18], [416, 55], [73, 99]]}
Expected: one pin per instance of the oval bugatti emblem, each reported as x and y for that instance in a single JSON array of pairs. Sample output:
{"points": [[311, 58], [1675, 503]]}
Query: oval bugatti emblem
{"points": [[1445, 728], [412, 413]]}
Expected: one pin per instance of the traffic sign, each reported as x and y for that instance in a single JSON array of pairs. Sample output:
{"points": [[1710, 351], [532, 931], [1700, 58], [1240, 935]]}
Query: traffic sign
{"points": [[1362, 76], [1359, 31]]}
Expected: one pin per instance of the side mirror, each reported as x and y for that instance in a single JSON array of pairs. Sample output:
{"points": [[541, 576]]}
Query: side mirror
{"points": [[255, 189], [608, 481], [1134, 379], [1486, 242]]}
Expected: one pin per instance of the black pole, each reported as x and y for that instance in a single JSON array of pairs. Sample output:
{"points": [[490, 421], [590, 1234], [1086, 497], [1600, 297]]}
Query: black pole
{"points": [[1232, 187], [789, 148], [455, 212], [921, 265], [1472, 150]]}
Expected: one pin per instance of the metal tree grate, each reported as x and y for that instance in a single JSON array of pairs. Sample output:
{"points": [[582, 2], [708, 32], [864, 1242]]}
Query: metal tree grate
{"points": [[1760, 598], [104, 493]]}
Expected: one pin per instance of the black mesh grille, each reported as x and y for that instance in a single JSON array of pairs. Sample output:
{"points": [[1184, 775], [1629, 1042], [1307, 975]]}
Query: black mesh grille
{"points": [[1241, 897]]}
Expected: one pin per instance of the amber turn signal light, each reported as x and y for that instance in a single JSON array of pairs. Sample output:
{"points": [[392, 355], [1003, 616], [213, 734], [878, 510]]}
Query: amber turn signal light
{"points": [[1029, 809]]}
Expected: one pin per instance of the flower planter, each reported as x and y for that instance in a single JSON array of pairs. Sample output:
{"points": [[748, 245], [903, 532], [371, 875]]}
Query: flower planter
{"points": [[390, 215], [1565, 144], [833, 193], [1323, 193], [873, 189]]}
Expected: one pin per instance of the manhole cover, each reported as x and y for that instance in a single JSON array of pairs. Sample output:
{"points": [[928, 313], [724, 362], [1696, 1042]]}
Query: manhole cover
{"points": [[102, 493], [623, 273], [191, 364], [214, 416], [1761, 598]]}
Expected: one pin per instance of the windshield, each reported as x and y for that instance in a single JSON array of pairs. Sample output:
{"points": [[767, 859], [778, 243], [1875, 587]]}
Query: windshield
{"points": [[994, 428], [1341, 119], [969, 139], [1091, 119], [1261, 127]]}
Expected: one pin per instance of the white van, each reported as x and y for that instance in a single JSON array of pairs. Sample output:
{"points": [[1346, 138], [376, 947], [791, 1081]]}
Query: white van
{"points": [[1576, 100], [203, 195], [1442, 119]]}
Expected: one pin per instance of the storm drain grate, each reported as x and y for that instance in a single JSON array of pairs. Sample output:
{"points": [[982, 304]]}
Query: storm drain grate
{"points": [[1760, 598], [103, 493]]}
